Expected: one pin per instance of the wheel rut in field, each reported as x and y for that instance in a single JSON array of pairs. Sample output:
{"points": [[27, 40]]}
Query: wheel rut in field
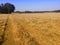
{"points": [[2, 36]]}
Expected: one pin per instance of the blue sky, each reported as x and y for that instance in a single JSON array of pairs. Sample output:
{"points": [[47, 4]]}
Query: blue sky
{"points": [[34, 5]]}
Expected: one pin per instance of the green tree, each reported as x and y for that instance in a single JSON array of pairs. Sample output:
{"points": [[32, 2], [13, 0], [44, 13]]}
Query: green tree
{"points": [[7, 8]]}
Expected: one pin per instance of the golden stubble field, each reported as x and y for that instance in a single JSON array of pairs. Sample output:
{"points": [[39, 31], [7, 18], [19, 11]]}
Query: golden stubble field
{"points": [[30, 29]]}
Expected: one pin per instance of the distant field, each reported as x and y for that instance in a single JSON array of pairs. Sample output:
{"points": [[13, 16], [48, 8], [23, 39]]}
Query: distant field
{"points": [[30, 29]]}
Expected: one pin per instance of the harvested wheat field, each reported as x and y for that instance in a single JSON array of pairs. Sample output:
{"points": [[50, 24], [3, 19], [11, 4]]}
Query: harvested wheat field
{"points": [[30, 29]]}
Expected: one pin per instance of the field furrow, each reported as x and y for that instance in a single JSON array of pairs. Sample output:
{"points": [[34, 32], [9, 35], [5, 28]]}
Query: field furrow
{"points": [[3, 24]]}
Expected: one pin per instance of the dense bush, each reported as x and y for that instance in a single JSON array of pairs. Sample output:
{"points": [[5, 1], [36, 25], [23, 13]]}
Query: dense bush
{"points": [[7, 8]]}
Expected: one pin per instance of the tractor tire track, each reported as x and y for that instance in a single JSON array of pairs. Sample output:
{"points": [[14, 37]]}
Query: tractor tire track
{"points": [[3, 39]]}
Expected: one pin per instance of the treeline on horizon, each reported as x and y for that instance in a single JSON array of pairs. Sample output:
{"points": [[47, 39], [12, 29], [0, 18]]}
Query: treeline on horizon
{"points": [[36, 11], [9, 8]]}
